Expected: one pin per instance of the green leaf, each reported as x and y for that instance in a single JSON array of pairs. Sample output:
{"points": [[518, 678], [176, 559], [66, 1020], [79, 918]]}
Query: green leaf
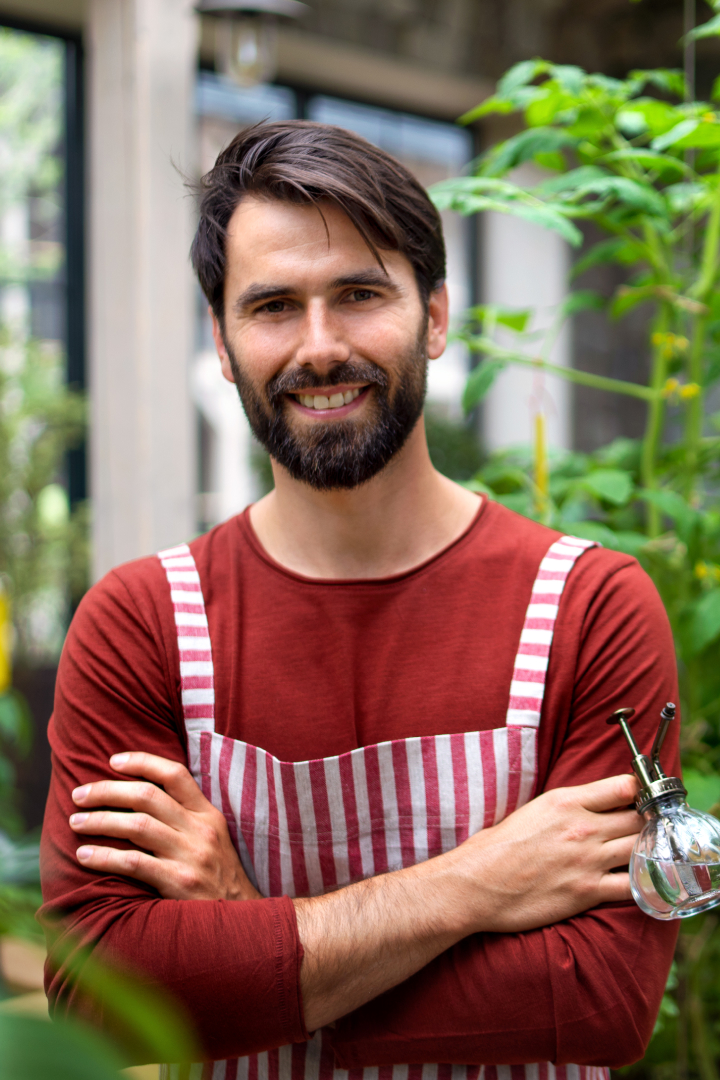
{"points": [[647, 114], [552, 160], [611, 485], [524, 147], [682, 198], [674, 507], [675, 134], [514, 318], [703, 624], [492, 104], [33, 1049], [520, 75], [703, 789], [479, 382], [668, 80], [617, 250], [473, 194], [589, 530], [711, 28], [627, 297], [581, 300], [715, 92], [648, 159], [631, 193], [570, 181]]}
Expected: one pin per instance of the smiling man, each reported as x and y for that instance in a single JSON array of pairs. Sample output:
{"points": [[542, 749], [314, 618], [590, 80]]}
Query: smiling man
{"points": [[337, 774]]}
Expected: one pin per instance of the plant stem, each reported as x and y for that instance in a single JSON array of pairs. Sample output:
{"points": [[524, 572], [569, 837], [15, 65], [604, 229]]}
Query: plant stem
{"points": [[655, 418], [585, 378], [542, 479]]}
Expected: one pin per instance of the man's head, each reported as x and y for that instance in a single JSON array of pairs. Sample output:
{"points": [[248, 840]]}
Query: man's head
{"points": [[323, 261]]}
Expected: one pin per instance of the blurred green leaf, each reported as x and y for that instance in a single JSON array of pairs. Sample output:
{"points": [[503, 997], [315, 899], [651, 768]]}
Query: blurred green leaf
{"points": [[612, 485], [33, 1049], [703, 789], [619, 250], [581, 300], [711, 28], [481, 379], [703, 622], [524, 147]]}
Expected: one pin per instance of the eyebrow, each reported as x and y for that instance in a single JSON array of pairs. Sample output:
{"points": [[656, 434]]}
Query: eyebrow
{"points": [[257, 293]]}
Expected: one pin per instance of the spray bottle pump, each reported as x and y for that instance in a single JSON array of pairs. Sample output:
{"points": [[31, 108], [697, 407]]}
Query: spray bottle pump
{"points": [[675, 863]]}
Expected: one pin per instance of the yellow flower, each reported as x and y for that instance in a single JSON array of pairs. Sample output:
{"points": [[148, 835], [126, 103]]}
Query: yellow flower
{"points": [[701, 570], [690, 390], [671, 387], [708, 116]]}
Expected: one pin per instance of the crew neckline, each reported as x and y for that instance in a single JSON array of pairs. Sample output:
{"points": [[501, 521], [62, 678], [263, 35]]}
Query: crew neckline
{"points": [[246, 527]]}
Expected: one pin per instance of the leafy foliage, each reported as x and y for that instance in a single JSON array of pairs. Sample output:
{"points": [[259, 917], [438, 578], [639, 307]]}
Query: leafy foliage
{"points": [[642, 164]]}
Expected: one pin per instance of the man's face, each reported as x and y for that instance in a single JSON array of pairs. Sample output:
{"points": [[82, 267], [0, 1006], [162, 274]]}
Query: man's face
{"points": [[328, 351]]}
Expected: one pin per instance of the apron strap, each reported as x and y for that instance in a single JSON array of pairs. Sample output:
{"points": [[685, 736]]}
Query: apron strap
{"points": [[197, 682], [527, 688]]}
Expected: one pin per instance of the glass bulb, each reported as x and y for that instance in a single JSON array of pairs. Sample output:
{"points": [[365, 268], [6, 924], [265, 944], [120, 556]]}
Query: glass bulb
{"points": [[675, 864], [246, 48]]}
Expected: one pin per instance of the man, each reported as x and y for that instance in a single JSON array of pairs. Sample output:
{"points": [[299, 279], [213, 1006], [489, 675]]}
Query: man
{"points": [[372, 674]]}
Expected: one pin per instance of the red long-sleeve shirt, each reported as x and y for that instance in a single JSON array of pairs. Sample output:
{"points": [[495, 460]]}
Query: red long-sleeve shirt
{"points": [[306, 669]]}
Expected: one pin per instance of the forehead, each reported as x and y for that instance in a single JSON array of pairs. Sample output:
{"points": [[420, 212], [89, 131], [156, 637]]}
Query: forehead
{"points": [[276, 237]]}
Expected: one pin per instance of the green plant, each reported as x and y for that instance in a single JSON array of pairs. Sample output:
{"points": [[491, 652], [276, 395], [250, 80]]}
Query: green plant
{"points": [[640, 163]]}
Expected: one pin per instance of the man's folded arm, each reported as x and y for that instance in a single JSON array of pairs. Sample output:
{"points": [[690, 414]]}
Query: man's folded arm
{"points": [[586, 990], [234, 968]]}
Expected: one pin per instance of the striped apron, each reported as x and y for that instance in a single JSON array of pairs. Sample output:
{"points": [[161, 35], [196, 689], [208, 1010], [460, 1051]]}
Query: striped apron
{"points": [[302, 828]]}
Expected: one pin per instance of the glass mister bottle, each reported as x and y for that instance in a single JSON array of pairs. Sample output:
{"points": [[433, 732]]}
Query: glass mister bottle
{"points": [[675, 863]]}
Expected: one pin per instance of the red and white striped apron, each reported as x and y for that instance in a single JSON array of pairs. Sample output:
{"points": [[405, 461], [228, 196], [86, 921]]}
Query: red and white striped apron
{"points": [[304, 827]]}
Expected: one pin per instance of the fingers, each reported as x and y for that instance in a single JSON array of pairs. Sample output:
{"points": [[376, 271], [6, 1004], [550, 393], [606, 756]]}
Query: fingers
{"points": [[608, 794], [614, 888], [140, 829], [617, 852], [134, 864], [617, 823], [171, 775], [131, 795]]}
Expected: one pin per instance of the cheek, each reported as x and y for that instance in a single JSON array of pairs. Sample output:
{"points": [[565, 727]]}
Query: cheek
{"points": [[263, 351]]}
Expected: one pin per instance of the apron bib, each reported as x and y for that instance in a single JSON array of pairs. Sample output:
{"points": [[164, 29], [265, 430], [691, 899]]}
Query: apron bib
{"points": [[303, 828]]}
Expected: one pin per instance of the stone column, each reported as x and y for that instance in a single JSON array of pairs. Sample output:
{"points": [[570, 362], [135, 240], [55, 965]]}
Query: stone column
{"points": [[142, 61]]}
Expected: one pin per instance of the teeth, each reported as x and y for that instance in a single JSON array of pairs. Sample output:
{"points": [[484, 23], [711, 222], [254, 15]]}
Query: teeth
{"points": [[321, 401]]}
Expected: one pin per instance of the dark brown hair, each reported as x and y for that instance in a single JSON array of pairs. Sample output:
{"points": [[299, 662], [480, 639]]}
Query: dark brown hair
{"points": [[303, 162]]}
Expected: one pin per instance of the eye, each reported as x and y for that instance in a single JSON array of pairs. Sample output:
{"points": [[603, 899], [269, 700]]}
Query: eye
{"points": [[359, 295], [273, 307]]}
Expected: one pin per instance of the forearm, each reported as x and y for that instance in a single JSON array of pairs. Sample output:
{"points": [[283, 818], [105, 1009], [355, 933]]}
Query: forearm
{"points": [[364, 939]]}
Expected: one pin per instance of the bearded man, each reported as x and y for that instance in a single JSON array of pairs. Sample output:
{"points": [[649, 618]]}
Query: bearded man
{"points": [[339, 770]]}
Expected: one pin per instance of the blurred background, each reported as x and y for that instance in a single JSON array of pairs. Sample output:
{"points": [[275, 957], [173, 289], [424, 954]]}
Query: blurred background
{"points": [[118, 436]]}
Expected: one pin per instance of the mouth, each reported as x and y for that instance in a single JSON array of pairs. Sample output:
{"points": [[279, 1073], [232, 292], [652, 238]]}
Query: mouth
{"points": [[336, 400]]}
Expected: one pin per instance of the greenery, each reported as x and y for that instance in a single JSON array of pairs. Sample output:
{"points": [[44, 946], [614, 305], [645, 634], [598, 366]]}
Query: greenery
{"points": [[641, 163]]}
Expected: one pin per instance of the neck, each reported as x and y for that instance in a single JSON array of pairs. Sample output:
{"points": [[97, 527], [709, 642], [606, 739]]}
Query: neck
{"points": [[399, 519]]}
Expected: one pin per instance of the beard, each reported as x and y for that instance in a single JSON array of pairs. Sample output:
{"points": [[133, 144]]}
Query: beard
{"points": [[343, 453]]}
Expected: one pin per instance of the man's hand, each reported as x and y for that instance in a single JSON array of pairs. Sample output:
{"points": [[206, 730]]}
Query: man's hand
{"points": [[192, 855], [549, 860]]}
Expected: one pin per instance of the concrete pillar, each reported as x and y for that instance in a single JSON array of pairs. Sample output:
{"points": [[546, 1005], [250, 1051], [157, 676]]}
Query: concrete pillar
{"points": [[142, 61], [524, 266]]}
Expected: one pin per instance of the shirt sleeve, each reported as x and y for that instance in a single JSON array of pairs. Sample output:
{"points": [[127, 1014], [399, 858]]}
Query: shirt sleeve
{"points": [[233, 968], [585, 990]]}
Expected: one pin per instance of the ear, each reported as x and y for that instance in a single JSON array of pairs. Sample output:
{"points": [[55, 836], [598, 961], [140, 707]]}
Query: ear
{"points": [[438, 317], [220, 346]]}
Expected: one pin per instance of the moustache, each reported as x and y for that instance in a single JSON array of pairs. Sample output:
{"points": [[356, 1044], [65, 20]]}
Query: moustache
{"points": [[290, 382]]}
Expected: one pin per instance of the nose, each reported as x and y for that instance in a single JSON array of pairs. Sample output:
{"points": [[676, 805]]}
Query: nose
{"points": [[322, 346]]}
